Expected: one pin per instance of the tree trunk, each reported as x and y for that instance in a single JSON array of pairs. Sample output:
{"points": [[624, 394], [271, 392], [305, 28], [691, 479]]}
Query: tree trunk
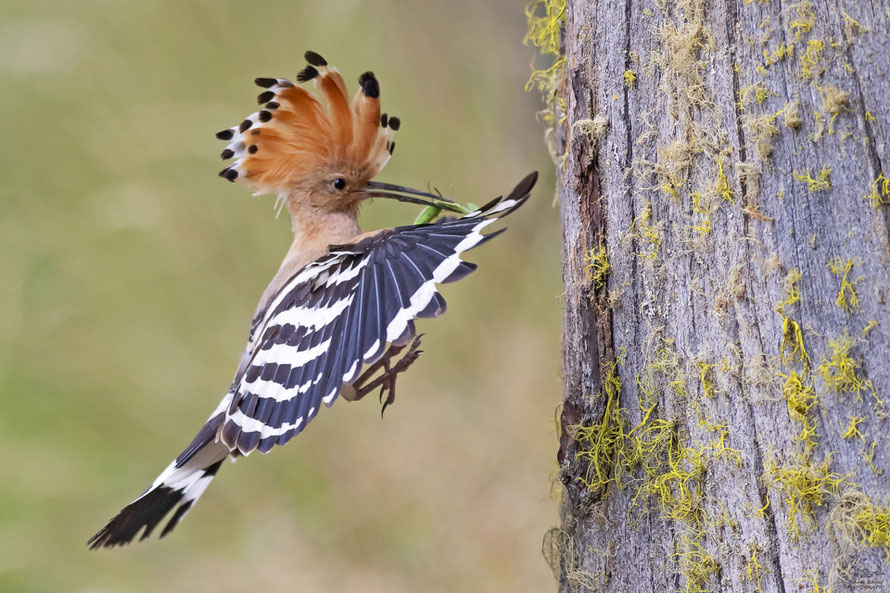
{"points": [[725, 263]]}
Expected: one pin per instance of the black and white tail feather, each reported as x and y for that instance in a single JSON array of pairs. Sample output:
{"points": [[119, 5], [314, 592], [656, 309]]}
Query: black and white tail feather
{"points": [[335, 315]]}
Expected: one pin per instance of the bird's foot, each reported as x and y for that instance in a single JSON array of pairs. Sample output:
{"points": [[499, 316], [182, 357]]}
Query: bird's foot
{"points": [[386, 381]]}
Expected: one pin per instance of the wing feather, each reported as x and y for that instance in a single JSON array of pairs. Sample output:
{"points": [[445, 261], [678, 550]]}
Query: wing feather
{"points": [[339, 313]]}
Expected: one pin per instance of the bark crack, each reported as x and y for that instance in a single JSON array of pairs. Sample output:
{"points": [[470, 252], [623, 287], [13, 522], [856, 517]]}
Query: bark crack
{"points": [[871, 140], [758, 459]]}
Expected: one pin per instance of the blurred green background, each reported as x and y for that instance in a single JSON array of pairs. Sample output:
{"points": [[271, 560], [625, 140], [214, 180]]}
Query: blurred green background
{"points": [[130, 272]]}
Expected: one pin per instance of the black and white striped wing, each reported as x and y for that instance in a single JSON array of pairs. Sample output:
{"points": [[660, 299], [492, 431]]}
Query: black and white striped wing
{"points": [[341, 312]]}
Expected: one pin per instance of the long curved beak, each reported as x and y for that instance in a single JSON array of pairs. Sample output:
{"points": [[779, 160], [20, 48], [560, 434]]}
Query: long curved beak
{"points": [[376, 189]]}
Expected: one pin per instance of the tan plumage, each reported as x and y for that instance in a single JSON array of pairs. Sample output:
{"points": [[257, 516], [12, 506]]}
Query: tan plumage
{"points": [[298, 142]]}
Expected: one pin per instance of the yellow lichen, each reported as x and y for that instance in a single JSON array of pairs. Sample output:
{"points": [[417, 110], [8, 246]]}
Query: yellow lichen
{"points": [[820, 183], [805, 20], [722, 185], [761, 512], [543, 29], [847, 298], [779, 54], [870, 459], [874, 521], [602, 445], [754, 570], [706, 374], [792, 339], [753, 92], [800, 396], [859, 520], [805, 486], [839, 370], [852, 26], [790, 292], [667, 364], [812, 578], [597, 266], [880, 191], [647, 233], [695, 564], [718, 446], [545, 21], [705, 227], [853, 428], [809, 61], [629, 78], [671, 472]]}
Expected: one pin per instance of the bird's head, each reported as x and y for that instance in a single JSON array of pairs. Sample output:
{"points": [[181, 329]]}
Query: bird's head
{"points": [[322, 154]]}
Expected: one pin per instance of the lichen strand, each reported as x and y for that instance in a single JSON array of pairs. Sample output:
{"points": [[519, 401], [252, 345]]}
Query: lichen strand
{"points": [[602, 446], [805, 486], [841, 372], [792, 341], [800, 397], [648, 234], [820, 183], [811, 60], [695, 564], [804, 20], [880, 192], [597, 266], [857, 520], [790, 292], [812, 579], [853, 431], [754, 570], [545, 21], [847, 299], [630, 77], [706, 374]]}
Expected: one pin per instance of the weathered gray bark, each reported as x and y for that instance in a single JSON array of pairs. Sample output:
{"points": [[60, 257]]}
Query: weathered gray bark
{"points": [[694, 319]]}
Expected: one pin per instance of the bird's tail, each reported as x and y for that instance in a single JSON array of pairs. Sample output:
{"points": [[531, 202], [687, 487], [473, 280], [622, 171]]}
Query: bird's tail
{"points": [[178, 487]]}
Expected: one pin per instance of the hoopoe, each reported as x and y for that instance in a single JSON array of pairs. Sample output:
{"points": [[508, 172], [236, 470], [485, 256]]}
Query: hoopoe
{"points": [[341, 308]]}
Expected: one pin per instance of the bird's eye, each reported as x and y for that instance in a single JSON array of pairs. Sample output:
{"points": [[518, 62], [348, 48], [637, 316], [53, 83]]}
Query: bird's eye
{"points": [[339, 183]]}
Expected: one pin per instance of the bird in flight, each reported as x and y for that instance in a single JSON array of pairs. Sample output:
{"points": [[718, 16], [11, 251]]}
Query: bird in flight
{"points": [[338, 317]]}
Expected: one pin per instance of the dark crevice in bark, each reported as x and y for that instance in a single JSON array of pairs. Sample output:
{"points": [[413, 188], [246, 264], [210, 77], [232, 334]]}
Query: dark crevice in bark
{"points": [[869, 132], [797, 148], [628, 139], [764, 498], [762, 494], [732, 13], [870, 139]]}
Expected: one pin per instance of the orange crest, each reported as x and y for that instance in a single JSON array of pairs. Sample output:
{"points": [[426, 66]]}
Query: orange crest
{"points": [[295, 134]]}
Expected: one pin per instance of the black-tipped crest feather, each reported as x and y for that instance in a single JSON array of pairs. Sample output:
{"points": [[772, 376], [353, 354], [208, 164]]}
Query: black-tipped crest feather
{"points": [[370, 86], [307, 74], [315, 59]]}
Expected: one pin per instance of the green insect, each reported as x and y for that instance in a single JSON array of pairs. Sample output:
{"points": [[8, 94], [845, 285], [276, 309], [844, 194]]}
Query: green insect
{"points": [[430, 213]]}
